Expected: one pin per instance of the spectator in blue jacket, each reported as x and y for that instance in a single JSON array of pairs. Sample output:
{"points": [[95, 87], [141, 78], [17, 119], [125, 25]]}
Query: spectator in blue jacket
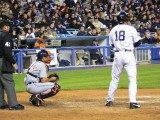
{"points": [[60, 29], [81, 32]]}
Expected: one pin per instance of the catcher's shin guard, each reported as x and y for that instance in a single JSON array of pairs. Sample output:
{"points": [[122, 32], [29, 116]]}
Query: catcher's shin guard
{"points": [[51, 93], [36, 100]]}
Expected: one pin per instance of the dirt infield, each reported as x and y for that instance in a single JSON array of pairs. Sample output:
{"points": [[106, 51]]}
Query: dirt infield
{"points": [[88, 105]]}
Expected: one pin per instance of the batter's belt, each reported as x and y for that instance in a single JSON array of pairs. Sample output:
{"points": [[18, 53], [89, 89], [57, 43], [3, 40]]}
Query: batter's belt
{"points": [[125, 50]]}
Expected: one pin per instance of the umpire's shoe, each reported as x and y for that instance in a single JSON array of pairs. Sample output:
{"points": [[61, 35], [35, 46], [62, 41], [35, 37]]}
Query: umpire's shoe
{"points": [[109, 103], [17, 107], [4, 107], [134, 105]]}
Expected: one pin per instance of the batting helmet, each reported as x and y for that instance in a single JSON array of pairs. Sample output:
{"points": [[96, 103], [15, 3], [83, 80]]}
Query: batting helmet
{"points": [[41, 54], [122, 17]]}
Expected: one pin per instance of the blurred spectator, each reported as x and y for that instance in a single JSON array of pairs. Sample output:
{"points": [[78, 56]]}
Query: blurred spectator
{"points": [[72, 18], [56, 18], [60, 29], [98, 30], [149, 27], [158, 32], [15, 10], [156, 40], [44, 22], [114, 21], [89, 32], [147, 38], [52, 34], [105, 20], [15, 39], [40, 42], [6, 10], [142, 29], [74, 24], [27, 27], [30, 34], [22, 35], [97, 23], [14, 34], [110, 26], [21, 43], [105, 32], [65, 18], [94, 32], [81, 32], [66, 24], [52, 26], [78, 24], [89, 23], [95, 54]]}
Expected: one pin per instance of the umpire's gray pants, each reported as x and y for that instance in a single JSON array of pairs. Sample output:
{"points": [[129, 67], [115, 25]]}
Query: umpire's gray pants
{"points": [[7, 84]]}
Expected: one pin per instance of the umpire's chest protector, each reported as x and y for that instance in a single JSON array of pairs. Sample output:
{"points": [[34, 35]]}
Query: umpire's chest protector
{"points": [[5, 65]]}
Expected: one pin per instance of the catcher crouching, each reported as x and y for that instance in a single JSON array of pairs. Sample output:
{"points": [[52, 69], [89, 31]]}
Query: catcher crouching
{"points": [[36, 81]]}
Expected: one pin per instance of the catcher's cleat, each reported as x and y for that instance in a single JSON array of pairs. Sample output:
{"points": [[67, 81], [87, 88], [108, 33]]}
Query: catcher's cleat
{"points": [[32, 99], [40, 101], [36, 101], [134, 105], [109, 103]]}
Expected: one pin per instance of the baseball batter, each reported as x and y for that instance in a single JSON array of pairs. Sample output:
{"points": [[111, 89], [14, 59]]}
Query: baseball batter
{"points": [[36, 81], [123, 38]]}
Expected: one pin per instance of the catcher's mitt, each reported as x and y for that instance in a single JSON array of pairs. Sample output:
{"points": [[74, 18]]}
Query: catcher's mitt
{"points": [[54, 75]]}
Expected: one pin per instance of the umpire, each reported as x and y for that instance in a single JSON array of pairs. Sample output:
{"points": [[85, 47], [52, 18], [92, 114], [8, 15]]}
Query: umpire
{"points": [[7, 68]]}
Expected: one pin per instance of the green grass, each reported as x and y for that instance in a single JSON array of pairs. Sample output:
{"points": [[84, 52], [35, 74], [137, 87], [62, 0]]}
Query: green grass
{"points": [[99, 78]]}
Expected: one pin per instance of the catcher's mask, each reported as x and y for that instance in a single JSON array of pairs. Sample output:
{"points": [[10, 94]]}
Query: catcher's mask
{"points": [[43, 53]]}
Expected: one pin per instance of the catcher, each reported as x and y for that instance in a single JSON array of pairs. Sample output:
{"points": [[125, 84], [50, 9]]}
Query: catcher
{"points": [[36, 81]]}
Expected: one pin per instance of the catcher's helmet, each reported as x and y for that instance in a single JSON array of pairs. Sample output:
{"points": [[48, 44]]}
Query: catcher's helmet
{"points": [[41, 54], [122, 17]]}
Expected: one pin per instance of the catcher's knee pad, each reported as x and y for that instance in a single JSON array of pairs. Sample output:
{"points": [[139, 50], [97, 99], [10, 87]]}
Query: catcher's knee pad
{"points": [[36, 101]]}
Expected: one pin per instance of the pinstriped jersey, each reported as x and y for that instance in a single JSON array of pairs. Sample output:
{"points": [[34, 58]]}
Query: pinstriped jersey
{"points": [[123, 36]]}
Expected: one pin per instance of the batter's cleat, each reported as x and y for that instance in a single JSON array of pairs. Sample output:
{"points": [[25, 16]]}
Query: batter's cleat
{"points": [[134, 106], [17, 107], [109, 103]]}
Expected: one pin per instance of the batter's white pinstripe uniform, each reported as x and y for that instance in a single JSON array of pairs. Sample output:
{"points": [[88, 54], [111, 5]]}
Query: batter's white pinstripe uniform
{"points": [[123, 38]]}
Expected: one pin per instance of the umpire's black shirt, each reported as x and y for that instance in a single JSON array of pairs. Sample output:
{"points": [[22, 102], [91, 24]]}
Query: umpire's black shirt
{"points": [[6, 45]]}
